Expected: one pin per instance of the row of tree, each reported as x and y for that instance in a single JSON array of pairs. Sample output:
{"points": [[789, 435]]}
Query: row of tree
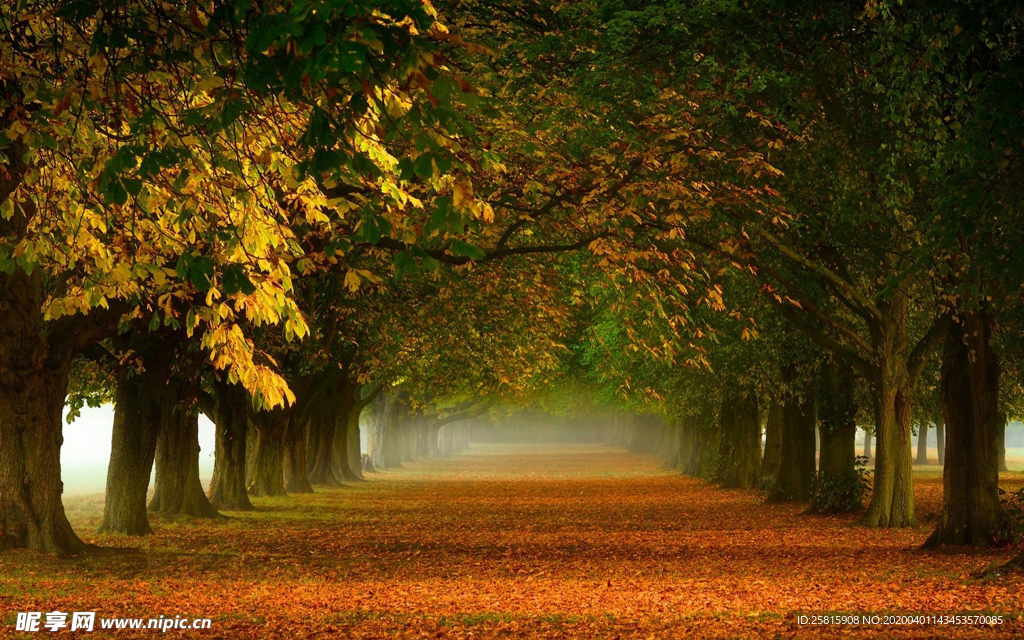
{"points": [[279, 214]]}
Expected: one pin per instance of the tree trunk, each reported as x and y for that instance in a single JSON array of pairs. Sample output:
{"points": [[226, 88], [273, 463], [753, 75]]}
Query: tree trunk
{"points": [[296, 474], [867, 444], [265, 459], [743, 468], [922, 443], [837, 487], [230, 417], [702, 424], [177, 488], [971, 511], [352, 464], [892, 493], [685, 444], [329, 450], [33, 388], [392, 434], [725, 438], [796, 458], [772, 444], [137, 414], [380, 445], [448, 441]]}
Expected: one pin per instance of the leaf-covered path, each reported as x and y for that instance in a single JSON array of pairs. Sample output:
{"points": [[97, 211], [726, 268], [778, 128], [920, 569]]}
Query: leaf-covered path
{"points": [[519, 541]]}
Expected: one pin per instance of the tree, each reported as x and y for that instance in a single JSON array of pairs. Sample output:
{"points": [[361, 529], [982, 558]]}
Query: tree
{"points": [[180, 173]]}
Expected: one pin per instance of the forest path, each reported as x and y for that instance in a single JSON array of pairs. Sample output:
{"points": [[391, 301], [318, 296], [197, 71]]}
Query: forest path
{"points": [[580, 541]]}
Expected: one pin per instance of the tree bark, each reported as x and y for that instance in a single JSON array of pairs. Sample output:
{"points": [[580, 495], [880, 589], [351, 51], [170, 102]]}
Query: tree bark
{"points": [[177, 488], [380, 445], [971, 511], [837, 487], [796, 458], [745, 449], [331, 446], [685, 444], [701, 426], [296, 474], [137, 415], [892, 493], [725, 438], [867, 444], [392, 433], [265, 456], [922, 443], [231, 419], [350, 464], [33, 389]]}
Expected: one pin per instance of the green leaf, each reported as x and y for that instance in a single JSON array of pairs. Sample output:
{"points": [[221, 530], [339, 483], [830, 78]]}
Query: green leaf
{"points": [[404, 263], [424, 168], [460, 248], [235, 280]]}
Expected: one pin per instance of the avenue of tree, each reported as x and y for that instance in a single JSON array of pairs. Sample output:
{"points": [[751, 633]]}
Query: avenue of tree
{"points": [[733, 233]]}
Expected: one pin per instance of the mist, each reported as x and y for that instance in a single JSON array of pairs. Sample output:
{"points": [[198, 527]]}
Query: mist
{"points": [[86, 451]]}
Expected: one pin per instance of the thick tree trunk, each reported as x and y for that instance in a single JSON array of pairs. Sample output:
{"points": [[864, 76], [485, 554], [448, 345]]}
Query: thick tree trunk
{"points": [[971, 511], [745, 450], [296, 474], [892, 493], [772, 444], [328, 438], [685, 444], [380, 444], [392, 434], [725, 438], [701, 427], [231, 419], [796, 457], [672, 455], [265, 452], [447, 436], [33, 388], [137, 415], [177, 488], [351, 463], [837, 485], [323, 431], [922, 443]]}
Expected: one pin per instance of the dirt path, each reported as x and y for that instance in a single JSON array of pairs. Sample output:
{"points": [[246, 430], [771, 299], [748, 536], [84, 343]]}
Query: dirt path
{"points": [[518, 541]]}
